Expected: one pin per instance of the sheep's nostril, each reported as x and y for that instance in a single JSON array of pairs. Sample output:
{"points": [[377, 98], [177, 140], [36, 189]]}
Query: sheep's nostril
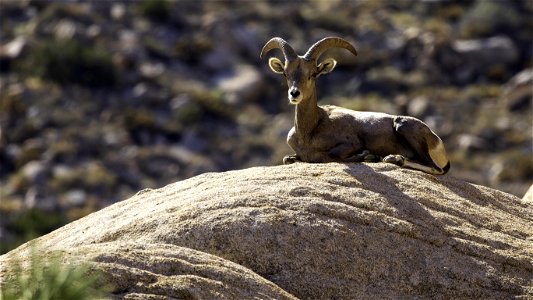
{"points": [[295, 93]]}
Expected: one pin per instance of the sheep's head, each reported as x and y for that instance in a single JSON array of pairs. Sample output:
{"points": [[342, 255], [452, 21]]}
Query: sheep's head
{"points": [[301, 72]]}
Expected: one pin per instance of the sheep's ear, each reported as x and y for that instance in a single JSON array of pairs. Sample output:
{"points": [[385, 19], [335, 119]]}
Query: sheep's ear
{"points": [[276, 65], [326, 66]]}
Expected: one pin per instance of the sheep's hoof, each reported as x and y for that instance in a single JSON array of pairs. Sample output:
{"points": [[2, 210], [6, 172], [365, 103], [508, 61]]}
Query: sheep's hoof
{"points": [[395, 159], [290, 159], [358, 157]]}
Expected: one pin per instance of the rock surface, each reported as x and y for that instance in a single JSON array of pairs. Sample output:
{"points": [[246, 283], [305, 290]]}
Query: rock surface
{"points": [[312, 231]]}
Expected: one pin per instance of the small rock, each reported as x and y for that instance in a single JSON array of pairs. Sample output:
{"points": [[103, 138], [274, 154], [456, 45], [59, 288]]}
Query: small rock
{"points": [[75, 197], [497, 171], [16, 90], [151, 70], [34, 171], [93, 31], [498, 49], [518, 91], [37, 198], [15, 48], [419, 107], [140, 90], [244, 85], [63, 171], [470, 142], [118, 11], [115, 137], [478, 56], [65, 29]]}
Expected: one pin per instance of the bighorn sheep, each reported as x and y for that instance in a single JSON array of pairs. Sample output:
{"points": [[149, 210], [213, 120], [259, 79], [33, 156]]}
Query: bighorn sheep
{"points": [[333, 134]]}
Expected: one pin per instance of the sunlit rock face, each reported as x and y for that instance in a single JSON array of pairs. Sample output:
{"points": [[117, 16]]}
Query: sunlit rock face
{"points": [[310, 231]]}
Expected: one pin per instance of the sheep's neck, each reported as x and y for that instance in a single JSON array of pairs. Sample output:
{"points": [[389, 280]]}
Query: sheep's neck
{"points": [[307, 115]]}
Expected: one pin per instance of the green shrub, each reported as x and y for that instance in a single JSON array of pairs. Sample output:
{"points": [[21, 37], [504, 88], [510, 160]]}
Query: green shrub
{"points": [[50, 279], [156, 10], [70, 62], [30, 224], [485, 17]]}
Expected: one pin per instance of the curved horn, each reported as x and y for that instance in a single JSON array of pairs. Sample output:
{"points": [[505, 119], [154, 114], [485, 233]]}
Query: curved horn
{"points": [[324, 44], [280, 43]]}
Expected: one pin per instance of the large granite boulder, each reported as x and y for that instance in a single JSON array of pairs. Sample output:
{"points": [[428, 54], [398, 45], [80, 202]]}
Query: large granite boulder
{"points": [[313, 231]]}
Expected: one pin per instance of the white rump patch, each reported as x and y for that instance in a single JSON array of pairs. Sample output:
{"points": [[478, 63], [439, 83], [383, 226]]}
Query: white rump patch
{"points": [[438, 155]]}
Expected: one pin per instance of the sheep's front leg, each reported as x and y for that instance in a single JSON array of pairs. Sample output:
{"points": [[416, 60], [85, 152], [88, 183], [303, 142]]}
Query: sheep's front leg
{"points": [[290, 159]]}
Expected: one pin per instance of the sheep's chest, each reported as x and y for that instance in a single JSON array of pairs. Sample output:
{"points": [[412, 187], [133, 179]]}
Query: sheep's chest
{"points": [[293, 141], [301, 146]]}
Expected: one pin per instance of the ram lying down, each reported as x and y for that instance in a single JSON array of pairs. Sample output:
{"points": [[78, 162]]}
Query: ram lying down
{"points": [[334, 134]]}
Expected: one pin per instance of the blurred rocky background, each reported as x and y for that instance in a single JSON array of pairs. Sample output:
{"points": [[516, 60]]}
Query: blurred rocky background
{"points": [[100, 99]]}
